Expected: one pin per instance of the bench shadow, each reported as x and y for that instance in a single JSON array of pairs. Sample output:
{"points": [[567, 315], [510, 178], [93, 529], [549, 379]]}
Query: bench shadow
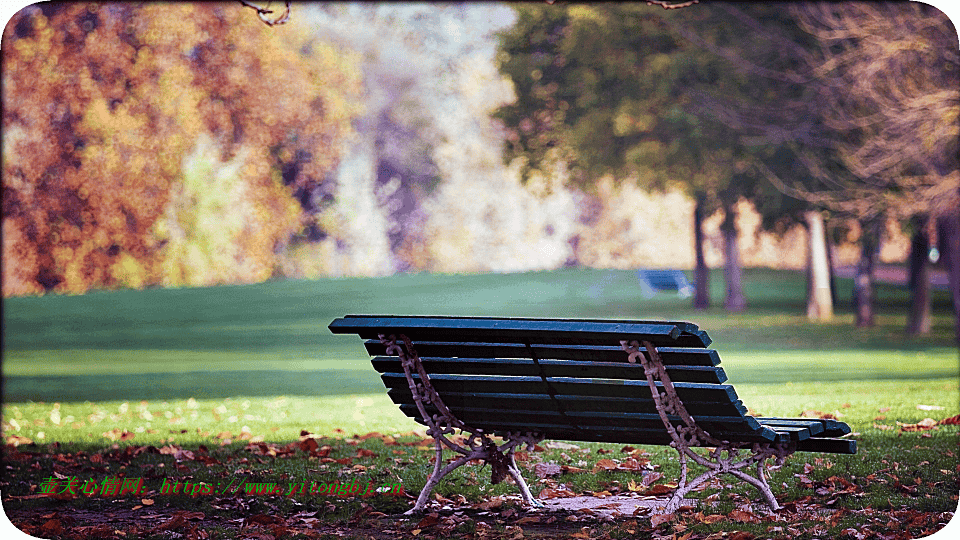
{"points": [[195, 384]]}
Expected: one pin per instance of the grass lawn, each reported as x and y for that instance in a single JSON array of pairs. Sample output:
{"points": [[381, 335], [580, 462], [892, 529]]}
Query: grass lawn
{"points": [[246, 382]]}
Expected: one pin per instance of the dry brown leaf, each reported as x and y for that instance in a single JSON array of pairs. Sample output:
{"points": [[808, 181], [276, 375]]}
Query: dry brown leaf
{"points": [[492, 504], [553, 493], [544, 470], [659, 489], [17, 440], [744, 516], [923, 425], [605, 464], [658, 519], [953, 420], [429, 520]]}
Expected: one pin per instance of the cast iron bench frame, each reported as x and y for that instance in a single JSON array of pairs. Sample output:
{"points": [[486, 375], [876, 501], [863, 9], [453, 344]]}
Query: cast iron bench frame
{"points": [[492, 344]]}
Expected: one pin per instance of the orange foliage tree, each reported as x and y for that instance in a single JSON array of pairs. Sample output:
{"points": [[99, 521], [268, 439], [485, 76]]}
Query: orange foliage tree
{"points": [[107, 107]]}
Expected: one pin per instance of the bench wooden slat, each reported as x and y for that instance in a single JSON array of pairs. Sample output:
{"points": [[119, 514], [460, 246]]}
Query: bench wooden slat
{"points": [[492, 329], [718, 393], [831, 427], [551, 368], [615, 434], [684, 326], [543, 402], [744, 426], [828, 445], [815, 428], [594, 353]]}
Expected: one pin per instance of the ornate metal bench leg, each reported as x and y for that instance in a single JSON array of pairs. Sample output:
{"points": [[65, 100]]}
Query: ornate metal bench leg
{"points": [[689, 435], [434, 479], [521, 483], [478, 446]]}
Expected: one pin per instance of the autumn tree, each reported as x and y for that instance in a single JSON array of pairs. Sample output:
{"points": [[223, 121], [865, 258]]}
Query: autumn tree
{"points": [[607, 91], [873, 129], [103, 106]]}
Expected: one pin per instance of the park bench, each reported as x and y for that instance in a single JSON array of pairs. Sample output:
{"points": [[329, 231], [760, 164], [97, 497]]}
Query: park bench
{"points": [[525, 380], [654, 281]]}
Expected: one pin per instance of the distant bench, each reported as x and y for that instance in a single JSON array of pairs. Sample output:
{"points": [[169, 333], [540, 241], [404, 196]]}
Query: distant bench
{"points": [[526, 380], [654, 281]]}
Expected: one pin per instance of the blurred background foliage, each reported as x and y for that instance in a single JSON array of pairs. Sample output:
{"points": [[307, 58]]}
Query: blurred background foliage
{"points": [[150, 144], [189, 144]]}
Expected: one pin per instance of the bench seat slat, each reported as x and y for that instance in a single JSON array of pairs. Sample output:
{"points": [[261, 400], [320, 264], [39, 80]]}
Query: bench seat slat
{"points": [[542, 402], [595, 353], [651, 421], [611, 433], [685, 327], [564, 386], [831, 427], [490, 329], [815, 428], [551, 368], [828, 445]]}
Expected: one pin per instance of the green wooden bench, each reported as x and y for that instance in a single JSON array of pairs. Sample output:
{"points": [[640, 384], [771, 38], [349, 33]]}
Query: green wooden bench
{"points": [[654, 281], [526, 380]]}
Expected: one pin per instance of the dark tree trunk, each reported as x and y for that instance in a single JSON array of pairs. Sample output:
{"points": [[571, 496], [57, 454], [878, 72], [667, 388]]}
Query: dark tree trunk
{"points": [[948, 233], [863, 293], [701, 274], [732, 270], [919, 320]]}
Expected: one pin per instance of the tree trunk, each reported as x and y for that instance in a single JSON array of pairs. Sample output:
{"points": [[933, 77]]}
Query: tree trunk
{"points": [[948, 233], [732, 270], [863, 294], [830, 267], [701, 274], [919, 319], [819, 301]]}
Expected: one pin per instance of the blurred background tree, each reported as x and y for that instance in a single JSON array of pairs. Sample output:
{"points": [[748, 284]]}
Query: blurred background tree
{"points": [[103, 103]]}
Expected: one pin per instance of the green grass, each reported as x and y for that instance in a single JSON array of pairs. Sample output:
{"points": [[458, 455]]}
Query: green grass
{"points": [[199, 367]]}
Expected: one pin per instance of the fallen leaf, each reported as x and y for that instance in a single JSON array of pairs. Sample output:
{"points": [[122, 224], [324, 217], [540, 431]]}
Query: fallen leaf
{"points": [[605, 464], [929, 407], [923, 425], [17, 440], [744, 516], [429, 521], [820, 414], [492, 504], [659, 489], [953, 420], [118, 434], [658, 519], [553, 493], [544, 470], [560, 445], [261, 519]]}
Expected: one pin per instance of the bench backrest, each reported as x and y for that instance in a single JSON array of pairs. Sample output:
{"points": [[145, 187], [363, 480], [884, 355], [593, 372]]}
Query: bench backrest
{"points": [[567, 379]]}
